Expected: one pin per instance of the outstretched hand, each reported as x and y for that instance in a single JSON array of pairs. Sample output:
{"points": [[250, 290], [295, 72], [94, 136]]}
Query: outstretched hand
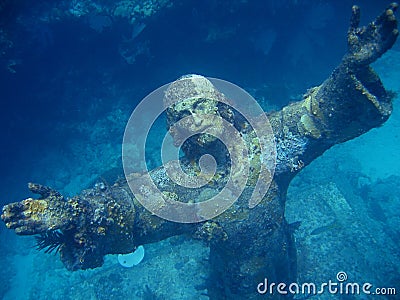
{"points": [[33, 216], [366, 44]]}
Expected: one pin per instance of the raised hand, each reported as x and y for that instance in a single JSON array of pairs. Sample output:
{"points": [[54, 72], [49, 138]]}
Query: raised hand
{"points": [[366, 44]]}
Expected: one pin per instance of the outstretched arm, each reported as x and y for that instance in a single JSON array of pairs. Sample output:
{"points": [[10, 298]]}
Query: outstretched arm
{"points": [[349, 103], [80, 228], [99, 221]]}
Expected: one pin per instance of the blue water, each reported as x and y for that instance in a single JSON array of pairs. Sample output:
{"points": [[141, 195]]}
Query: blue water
{"points": [[71, 73]]}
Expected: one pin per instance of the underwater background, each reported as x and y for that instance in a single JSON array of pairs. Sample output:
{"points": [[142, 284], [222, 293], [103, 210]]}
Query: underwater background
{"points": [[71, 73]]}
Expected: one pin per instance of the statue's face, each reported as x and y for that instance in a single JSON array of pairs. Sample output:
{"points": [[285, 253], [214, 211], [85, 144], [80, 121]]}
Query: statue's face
{"points": [[193, 110]]}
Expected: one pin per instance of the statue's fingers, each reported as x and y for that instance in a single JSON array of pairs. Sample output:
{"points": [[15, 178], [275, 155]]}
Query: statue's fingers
{"points": [[352, 33], [29, 226], [355, 18], [393, 6], [388, 15], [23, 230], [24, 226], [389, 31], [17, 224], [39, 189], [11, 210], [14, 213], [19, 213], [390, 19]]}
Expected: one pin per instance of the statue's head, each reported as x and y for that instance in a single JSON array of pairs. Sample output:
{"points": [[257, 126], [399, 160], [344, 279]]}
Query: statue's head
{"points": [[195, 111]]}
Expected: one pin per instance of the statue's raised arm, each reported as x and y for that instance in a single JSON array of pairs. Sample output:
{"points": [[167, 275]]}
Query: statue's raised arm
{"points": [[247, 244], [366, 44], [350, 102]]}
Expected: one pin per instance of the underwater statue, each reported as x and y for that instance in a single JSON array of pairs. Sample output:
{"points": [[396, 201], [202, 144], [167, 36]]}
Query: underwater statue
{"points": [[248, 241]]}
